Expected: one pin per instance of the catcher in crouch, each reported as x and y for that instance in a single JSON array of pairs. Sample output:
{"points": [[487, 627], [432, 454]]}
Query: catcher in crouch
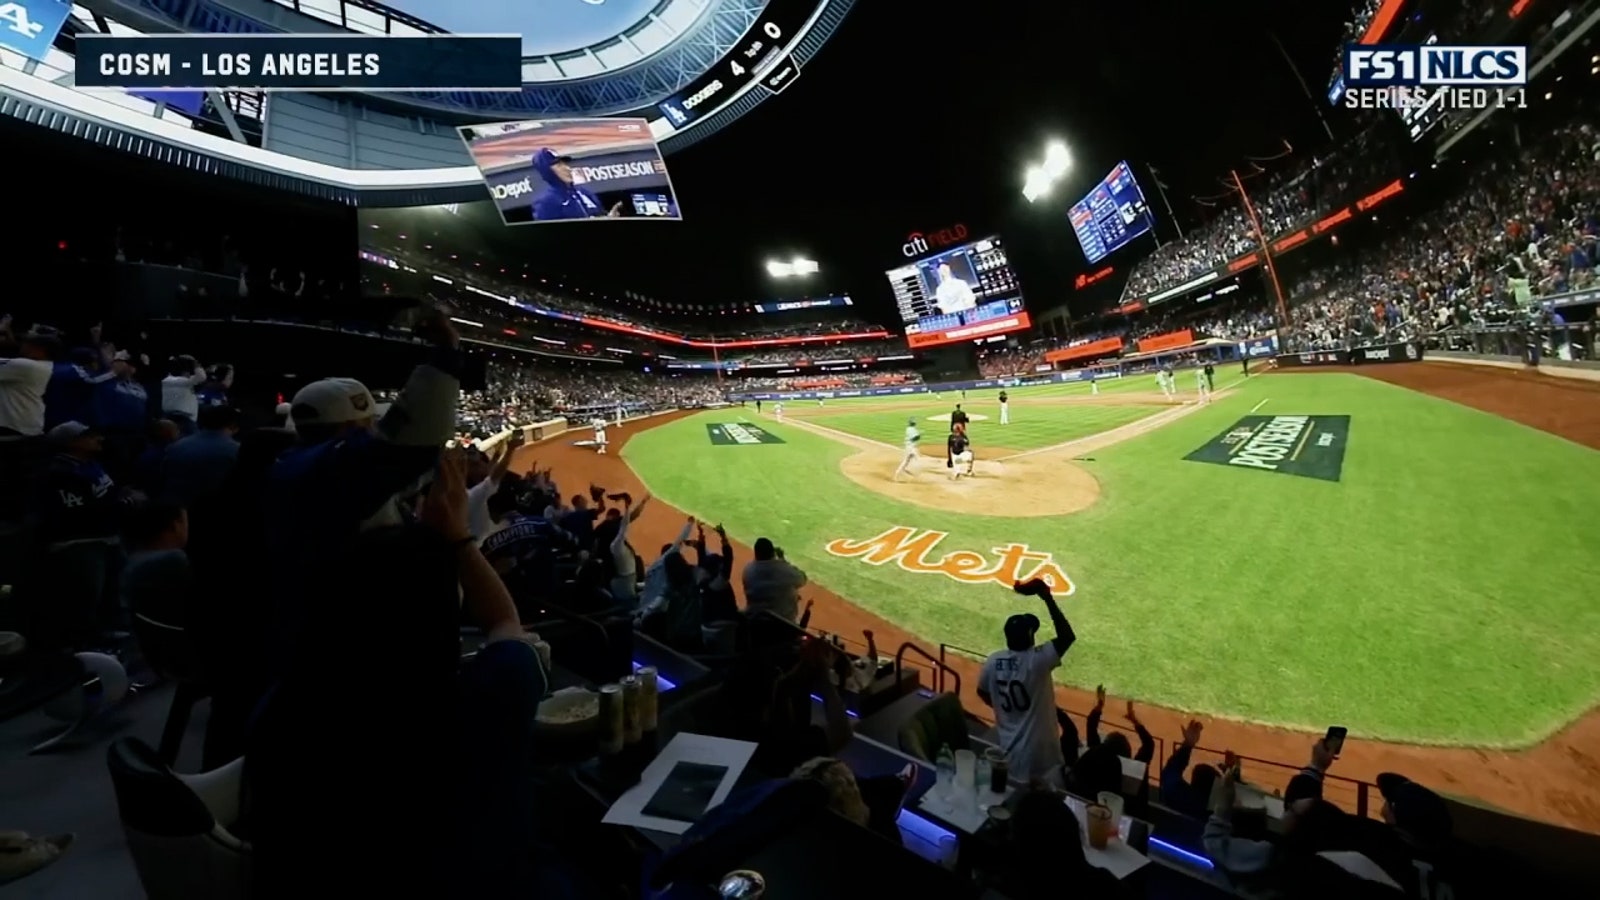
{"points": [[958, 453]]}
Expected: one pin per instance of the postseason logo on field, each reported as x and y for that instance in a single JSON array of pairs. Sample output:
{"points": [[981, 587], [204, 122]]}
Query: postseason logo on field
{"points": [[1410, 76]]}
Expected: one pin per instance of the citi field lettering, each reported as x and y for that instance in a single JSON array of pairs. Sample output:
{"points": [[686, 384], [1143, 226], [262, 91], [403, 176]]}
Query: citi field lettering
{"points": [[1275, 441], [914, 550]]}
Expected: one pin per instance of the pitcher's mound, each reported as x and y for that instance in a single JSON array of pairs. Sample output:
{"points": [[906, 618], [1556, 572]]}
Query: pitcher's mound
{"points": [[1048, 484]]}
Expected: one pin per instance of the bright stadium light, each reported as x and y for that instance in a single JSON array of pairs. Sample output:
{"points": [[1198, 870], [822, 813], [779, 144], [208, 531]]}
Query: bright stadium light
{"points": [[798, 267], [1038, 179]]}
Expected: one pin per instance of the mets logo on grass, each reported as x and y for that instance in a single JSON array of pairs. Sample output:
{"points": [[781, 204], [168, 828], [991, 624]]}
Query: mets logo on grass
{"points": [[915, 550], [1308, 446]]}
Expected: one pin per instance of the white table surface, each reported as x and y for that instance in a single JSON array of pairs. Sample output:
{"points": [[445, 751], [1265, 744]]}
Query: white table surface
{"points": [[966, 814], [1117, 858]]}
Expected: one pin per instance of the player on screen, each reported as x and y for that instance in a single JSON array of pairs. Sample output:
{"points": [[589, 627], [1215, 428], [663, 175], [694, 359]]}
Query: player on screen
{"points": [[953, 295], [561, 197]]}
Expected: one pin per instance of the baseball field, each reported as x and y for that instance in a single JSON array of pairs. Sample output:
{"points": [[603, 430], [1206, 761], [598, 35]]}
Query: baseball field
{"points": [[1306, 549]]}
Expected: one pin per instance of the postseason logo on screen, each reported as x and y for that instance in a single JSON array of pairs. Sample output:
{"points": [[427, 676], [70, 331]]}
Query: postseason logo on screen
{"points": [[562, 170]]}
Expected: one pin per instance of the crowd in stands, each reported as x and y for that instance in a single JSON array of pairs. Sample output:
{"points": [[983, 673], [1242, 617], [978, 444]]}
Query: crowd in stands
{"points": [[706, 321], [1280, 200], [1519, 231], [824, 381]]}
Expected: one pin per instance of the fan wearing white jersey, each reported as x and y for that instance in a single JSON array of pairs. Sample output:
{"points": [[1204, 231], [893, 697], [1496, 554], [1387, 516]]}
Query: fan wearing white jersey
{"points": [[1016, 683], [909, 455]]}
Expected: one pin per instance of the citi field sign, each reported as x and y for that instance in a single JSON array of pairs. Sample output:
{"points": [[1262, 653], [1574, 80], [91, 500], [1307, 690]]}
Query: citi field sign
{"points": [[919, 242], [917, 551]]}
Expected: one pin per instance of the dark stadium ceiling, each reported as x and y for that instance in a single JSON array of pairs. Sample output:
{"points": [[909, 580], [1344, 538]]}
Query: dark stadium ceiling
{"points": [[548, 27]]}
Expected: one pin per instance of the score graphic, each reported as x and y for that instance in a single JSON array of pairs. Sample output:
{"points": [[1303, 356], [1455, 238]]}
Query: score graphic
{"points": [[758, 55]]}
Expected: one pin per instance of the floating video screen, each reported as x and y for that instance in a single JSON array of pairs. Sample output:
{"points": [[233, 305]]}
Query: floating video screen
{"points": [[1111, 215], [964, 293], [563, 170]]}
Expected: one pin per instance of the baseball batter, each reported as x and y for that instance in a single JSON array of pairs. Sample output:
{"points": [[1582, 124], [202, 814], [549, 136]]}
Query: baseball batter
{"points": [[908, 456], [958, 453]]}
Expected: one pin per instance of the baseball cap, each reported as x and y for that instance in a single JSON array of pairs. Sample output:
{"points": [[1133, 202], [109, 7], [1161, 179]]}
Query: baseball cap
{"points": [[67, 432], [123, 356], [332, 401], [911, 421], [1416, 810], [1022, 624]]}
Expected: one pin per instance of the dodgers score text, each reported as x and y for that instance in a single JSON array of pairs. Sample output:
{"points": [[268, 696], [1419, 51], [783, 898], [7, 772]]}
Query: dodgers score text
{"points": [[229, 65]]}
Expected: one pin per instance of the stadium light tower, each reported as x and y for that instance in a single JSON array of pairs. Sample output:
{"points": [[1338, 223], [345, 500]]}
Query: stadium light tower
{"points": [[1041, 177], [798, 267]]}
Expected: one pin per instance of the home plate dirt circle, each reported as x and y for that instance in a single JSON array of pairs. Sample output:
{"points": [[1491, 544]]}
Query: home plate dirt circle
{"points": [[1047, 484]]}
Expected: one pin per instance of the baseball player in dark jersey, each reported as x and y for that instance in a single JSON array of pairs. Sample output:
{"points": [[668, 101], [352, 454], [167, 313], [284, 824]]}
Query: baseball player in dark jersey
{"points": [[1005, 409], [958, 416], [958, 453]]}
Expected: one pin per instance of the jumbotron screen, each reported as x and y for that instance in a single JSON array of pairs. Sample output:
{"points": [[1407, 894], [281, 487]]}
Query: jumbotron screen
{"points": [[1111, 215], [962, 294]]}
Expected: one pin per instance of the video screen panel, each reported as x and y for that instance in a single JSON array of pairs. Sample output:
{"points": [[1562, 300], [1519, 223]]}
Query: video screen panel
{"points": [[961, 294], [561, 170], [1111, 215]]}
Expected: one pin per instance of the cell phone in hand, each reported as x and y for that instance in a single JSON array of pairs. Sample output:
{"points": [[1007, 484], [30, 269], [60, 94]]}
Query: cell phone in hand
{"points": [[1334, 739]]}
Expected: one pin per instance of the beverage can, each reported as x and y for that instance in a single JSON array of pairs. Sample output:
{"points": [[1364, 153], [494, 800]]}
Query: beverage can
{"points": [[611, 720], [631, 690], [649, 698]]}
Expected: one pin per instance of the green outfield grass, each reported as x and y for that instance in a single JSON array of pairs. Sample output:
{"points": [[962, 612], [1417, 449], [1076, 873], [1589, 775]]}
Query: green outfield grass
{"points": [[1031, 427], [1441, 592]]}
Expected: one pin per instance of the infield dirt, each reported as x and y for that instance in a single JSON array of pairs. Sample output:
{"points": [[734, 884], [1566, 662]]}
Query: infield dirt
{"points": [[1556, 781]]}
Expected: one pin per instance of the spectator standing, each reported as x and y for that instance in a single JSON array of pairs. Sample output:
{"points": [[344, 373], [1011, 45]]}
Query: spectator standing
{"points": [[24, 378], [1016, 683], [179, 400], [194, 468], [772, 583]]}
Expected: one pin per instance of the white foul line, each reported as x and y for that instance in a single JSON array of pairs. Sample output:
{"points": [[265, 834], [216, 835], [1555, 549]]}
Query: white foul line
{"points": [[1261, 404]]}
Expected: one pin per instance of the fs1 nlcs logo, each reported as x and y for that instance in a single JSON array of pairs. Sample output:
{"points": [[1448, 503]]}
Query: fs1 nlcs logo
{"points": [[1403, 76]]}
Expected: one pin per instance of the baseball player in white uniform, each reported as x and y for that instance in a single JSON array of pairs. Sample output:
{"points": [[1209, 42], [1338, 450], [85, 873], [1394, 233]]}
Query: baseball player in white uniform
{"points": [[908, 455], [777, 410], [599, 435], [1016, 684], [1202, 385], [1165, 380], [1005, 408]]}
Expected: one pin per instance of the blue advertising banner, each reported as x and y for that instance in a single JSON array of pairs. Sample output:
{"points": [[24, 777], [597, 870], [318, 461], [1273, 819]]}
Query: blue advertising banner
{"points": [[294, 62], [1258, 347], [30, 26]]}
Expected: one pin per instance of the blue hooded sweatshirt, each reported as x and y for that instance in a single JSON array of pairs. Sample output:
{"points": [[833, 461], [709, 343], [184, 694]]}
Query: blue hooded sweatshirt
{"points": [[559, 199], [70, 395]]}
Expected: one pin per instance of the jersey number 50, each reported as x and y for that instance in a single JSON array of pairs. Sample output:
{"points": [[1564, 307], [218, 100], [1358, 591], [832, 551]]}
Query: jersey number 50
{"points": [[1013, 696]]}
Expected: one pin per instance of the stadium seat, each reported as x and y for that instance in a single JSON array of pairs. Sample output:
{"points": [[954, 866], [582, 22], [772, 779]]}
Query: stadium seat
{"points": [[939, 723], [178, 827]]}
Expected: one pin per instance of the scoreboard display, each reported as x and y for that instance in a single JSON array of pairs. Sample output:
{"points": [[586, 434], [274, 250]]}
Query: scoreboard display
{"points": [[1111, 215], [758, 55]]}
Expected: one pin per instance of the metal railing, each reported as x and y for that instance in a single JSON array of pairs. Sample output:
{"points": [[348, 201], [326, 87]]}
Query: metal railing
{"points": [[940, 668], [1575, 342]]}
